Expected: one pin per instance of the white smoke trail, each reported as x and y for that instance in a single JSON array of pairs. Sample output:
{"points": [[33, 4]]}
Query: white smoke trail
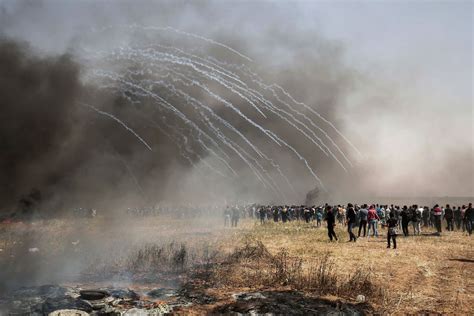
{"points": [[177, 31], [133, 54], [118, 121]]}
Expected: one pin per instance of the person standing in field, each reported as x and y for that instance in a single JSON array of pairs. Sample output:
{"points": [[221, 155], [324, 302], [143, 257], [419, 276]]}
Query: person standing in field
{"points": [[262, 213], [227, 215], [351, 219], [284, 214], [457, 217], [275, 213], [392, 224], [381, 213], [399, 217], [405, 219], [331, 221], [469, 218], [432, 218], [388, 210], [449, 217], [372, 218], [235, 216], [463, 221], [426, 216], [363, 212], [437, 213], [416, 219], [319, 216], [307, 214]]}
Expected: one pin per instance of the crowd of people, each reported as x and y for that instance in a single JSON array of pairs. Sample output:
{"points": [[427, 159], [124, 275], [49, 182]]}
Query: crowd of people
{"points": [[366, 219]]}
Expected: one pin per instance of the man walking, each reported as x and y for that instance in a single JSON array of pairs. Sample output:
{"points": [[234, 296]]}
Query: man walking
{"points": [[363, 212], [392, 224], [449, 217], [405, 219], [331, 220], [351, 219]]}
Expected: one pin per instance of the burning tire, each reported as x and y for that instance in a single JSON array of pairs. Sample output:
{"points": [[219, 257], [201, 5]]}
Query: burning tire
{"points": [[93, 295], [68, 312]]}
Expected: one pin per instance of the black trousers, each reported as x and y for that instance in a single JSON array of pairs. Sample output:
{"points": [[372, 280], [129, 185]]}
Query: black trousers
{"points": [[393, 238], [469, 226], [405, 228], [331, 232], [426, 221], [450, 223], [362, 224], [352, 237], [437, 220], [458, 223], [234, 221]]}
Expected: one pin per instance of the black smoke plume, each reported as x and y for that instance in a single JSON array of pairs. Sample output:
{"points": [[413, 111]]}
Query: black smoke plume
{"points": [[56, 151]]}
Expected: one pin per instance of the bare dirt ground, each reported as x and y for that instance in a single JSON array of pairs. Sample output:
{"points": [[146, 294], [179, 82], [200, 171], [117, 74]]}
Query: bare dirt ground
{"points": [[271, 268]]}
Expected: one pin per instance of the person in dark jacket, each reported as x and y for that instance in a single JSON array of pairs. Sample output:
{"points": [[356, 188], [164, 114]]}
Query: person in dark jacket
{"points": [[351, 221], [457, 217], [469, 218], [331, 220], [449, 217], [276, 214], [284, 214], [392, 224], [416, 214], [405, 220], [235, 216], [426, 216], [262, 212]]}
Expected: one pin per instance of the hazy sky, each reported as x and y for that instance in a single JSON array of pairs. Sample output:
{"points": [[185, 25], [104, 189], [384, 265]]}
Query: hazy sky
{"points": [[410, 109]]}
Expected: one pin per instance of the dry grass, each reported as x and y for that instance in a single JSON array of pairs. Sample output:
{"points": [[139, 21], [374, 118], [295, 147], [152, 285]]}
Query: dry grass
{"points": [[253, 266], [425, 273]]}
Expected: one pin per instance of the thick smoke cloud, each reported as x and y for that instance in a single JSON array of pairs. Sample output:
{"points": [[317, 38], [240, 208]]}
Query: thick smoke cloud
{"points": [[38, 112], [70, 154], [85, 156]]}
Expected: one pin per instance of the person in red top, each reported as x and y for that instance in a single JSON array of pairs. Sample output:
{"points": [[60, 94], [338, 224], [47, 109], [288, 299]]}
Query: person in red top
{"points": [[372, 218], [437, 212]]}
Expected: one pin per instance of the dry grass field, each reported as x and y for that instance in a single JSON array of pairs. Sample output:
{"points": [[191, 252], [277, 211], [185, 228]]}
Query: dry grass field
{"points": [[275, 267], [426, 274]]}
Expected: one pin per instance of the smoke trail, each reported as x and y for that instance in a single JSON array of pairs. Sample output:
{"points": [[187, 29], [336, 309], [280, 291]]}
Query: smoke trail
{"points": [[118, 121]]}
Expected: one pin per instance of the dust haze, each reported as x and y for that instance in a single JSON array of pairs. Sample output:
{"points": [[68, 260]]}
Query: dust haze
{"points": [[75, 156]]}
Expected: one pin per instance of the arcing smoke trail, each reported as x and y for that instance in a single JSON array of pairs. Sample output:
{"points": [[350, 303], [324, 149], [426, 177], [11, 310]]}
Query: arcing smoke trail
{"points": [[118, 121]]}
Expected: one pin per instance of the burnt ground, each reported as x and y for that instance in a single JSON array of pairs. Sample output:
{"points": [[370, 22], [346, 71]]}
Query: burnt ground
{"points": [[287, 303], [158, 266]]}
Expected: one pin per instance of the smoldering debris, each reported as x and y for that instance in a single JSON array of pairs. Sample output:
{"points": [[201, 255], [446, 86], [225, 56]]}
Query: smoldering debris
{"points": [[61, 300]]}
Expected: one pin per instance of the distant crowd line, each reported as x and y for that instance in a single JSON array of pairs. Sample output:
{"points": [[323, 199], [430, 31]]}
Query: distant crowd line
{"points": [[367, 218]]}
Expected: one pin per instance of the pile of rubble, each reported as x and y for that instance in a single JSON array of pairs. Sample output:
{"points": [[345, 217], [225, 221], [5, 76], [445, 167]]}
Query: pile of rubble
{"points": [[62, 301]]}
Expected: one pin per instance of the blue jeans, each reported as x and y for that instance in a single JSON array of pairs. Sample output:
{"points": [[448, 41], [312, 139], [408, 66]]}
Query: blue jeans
{"points": [[469, 226], [373, 224]]}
